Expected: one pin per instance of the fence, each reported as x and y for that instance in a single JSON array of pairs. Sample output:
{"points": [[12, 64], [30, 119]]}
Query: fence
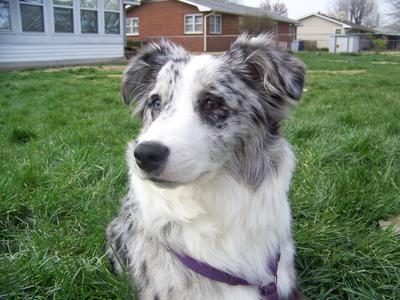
{"points": [[364, 41], [311, 42]]}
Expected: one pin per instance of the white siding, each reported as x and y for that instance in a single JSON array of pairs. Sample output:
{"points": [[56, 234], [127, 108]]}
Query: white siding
{"points": [[18, 48], [31, 53], [317, 29]]}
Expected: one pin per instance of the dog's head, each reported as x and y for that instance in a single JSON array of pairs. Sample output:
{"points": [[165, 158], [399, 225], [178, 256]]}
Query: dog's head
{"points": [[203, 113]]}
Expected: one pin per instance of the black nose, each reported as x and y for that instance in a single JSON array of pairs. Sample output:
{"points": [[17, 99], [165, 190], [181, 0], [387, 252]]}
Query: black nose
{"points": [[150, 156]]}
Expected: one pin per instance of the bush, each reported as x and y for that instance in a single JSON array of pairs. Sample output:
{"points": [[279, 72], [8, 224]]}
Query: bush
{"points": [[379, 45], [310, 46], [134, 44]]}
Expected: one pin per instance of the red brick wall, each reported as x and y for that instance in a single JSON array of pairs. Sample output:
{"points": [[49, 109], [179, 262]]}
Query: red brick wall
{"points": [[230, 26], [283, 34], [166, 18]]}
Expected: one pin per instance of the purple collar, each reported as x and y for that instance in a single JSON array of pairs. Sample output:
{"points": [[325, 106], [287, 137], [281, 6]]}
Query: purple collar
{"points": [[268, 292]]}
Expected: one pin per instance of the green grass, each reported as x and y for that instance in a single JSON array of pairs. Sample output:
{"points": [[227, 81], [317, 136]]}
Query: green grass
{"points": [[63, 136]]}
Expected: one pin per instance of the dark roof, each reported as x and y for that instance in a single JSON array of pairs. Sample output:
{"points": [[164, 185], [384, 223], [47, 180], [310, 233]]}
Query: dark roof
{"points": [[348, 23], [387, 31], [241, 10]]}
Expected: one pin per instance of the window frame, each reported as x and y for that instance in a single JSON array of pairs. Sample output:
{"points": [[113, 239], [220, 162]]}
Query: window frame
{"points": [[290, 29], [193, 24], [42, 5], [129, 33], [275, 28], [215, 23], [118, 11], [89, 9], [338, 28], [9, 17], [72, 7]]}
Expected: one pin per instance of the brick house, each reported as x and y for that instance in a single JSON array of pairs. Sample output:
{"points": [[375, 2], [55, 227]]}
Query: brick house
{"points": [[200, 25]]}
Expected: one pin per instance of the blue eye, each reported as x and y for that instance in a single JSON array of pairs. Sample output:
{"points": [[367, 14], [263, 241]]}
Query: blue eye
{"points": [[156, 102]]}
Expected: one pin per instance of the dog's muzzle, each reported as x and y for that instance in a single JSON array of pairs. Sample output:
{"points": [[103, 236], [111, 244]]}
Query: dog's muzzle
{"points": [[151, 156]]}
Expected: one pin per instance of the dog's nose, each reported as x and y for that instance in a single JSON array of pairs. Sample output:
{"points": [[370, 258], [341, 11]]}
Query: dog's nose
{"points": [[150, 156]]}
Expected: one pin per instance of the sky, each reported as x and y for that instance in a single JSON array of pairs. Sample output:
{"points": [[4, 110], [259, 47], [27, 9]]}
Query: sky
{"points": [[299, 8]]}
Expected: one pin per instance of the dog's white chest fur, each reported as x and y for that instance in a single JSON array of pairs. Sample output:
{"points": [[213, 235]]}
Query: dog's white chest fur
{"points": [[218, 221]]}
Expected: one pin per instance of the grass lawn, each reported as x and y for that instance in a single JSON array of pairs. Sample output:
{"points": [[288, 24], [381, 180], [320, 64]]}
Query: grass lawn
{"points": [[63, 135]]}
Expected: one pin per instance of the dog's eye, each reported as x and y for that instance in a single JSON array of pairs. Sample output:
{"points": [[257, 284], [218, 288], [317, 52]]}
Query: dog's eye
{"points": [[212, 103], [156, 102]]}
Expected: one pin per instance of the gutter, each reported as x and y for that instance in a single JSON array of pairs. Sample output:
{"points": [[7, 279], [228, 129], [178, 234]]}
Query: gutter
{"points": [[205, 30]]}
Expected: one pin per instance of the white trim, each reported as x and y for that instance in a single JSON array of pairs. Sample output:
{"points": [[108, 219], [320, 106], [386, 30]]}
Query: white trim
{"points": [[131, 27], [97, 10], [110, 10], [336, 28], [194, 24], [117, 11], [44, 11], [325, 18], [220, 24], [52, 6], [201, 8], [89, 8], [205, 30], [9, 16]]}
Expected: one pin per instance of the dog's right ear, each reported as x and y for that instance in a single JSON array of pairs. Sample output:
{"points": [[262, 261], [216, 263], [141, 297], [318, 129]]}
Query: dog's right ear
{"points": [[280, 74], [141, 74]]}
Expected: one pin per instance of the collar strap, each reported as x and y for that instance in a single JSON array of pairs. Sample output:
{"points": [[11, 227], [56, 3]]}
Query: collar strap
{"points": [[268, 292]]}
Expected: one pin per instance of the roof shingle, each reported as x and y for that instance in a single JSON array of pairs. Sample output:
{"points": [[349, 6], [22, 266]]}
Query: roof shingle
{"points": [[241, 10]]}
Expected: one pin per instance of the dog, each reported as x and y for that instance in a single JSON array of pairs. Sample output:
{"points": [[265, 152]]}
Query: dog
{"points": [[206, 215]]}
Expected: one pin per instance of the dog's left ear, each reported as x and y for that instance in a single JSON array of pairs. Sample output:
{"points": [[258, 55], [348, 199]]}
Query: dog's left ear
{"points": [[141, 74], [281, 74]]}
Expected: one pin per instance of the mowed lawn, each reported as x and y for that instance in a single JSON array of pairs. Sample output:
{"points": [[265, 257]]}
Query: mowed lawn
{"points": [[63, 134]]}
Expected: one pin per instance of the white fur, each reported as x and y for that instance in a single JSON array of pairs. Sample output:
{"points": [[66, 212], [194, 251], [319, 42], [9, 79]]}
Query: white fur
{"points": [[227, 225], [183, 131]]}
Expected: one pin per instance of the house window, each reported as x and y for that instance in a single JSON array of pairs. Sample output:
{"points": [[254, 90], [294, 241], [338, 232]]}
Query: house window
{"points": [[338, 31], [215, 24], [32, 15], [89, 22], [194, 23], [63, 16], [132, 26], [5, 21], [111, 16]]}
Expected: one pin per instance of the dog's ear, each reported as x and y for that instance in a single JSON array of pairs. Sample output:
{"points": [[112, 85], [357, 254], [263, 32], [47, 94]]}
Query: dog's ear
{"points": [[141, 74], [281, 74]]}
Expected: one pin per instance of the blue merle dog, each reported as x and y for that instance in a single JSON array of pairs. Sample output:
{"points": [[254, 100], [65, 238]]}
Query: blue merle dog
{"points": [[209, 173]]}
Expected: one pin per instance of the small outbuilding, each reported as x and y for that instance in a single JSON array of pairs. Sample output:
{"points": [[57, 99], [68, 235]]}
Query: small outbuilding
{"points": [[319, 28]]}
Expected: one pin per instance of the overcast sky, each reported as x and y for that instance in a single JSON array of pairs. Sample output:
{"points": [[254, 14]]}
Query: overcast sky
{"points": [[299, 8]]}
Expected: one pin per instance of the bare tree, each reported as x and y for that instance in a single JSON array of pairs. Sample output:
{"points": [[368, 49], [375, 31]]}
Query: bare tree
{"points": [[364, 12], [278, 7], [395, 13]]}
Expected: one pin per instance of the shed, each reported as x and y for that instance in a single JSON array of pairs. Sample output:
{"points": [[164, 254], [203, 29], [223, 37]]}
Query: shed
{"points": [[318, 27]]}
